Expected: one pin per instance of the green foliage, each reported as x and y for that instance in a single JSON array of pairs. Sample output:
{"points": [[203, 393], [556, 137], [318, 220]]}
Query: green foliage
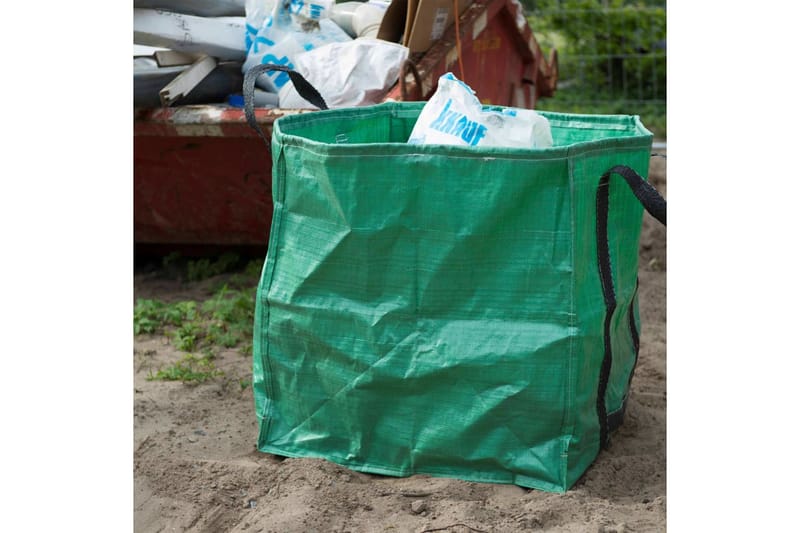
{"points": [[174, 265], [186, 336], [190, 369], [253, 268], [180, 312], [170, 259], [612, 56], [234, 307], [225, 320], [246, 279], [217, 333], [205, 268], [150, 316], [146, 316]]}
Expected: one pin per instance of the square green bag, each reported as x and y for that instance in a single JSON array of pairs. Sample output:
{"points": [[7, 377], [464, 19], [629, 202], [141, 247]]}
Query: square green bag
{"points": [[458, 312]]}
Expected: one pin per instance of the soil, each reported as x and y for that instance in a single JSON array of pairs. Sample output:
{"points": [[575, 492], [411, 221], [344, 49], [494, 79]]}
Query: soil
{"points": [[196, 467]]}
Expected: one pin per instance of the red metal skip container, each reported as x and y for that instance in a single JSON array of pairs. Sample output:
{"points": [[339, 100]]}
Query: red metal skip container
{"points": [[203, 177]]}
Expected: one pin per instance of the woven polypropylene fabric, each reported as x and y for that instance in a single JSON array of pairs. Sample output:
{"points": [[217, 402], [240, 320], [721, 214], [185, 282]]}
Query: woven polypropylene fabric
{"points": [[438, 309]]}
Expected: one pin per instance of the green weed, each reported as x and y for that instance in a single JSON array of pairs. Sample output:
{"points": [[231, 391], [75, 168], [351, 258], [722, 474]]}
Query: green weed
{"points": [[205, 268], [170, 259], [223, 321], [253, 268], [150, 316], [247, 278], [186, 336], [146, 316], [217, 333], [190, 369], [233, 307]]}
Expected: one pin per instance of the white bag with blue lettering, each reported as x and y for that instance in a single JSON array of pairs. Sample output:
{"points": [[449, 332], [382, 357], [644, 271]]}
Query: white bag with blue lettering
{"points": [[293, 28], [256, 12], [454, 115]]}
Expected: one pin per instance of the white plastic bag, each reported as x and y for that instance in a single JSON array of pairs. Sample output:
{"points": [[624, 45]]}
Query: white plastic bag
{"points": [[454, 115], [293, 28], [256, 12], [350, 74]]}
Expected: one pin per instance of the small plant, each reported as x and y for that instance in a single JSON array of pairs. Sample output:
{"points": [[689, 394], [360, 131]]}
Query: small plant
{"points": [[177, 313], [146, 316], [186, 336], [170, 259], [217, 333], [224, 321], [233, 313], [231, 306], [247, 279], [151, 315], [253, 268], [205, 268], [190, 369]]}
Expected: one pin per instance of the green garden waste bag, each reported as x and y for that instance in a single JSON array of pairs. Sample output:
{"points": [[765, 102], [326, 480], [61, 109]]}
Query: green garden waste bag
{"points": [[459, 312]]}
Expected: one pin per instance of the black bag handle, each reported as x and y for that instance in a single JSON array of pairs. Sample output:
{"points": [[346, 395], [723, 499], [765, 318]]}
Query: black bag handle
{"points": [[303, 87], [654, 204]]}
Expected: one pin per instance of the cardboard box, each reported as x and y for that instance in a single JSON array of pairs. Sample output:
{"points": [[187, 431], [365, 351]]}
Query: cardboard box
{"points": [[418, 24]]}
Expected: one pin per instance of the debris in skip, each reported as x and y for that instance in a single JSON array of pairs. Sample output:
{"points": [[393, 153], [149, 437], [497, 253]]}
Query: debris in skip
{"points": [[355, 53]]}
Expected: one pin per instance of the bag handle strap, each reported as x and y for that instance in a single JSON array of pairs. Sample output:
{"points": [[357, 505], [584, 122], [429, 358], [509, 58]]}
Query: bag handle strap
{"points": [[654, 204], [303, 87]]}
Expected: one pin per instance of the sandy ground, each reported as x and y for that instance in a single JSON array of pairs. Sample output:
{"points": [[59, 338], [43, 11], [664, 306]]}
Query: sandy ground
{"points": [[196, 467]]}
